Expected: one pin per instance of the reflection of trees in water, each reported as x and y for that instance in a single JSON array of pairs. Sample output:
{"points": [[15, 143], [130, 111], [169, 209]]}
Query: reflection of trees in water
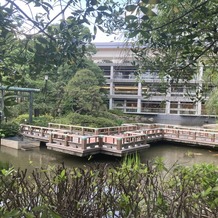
{"points": [[41, 157], [172, 153]]}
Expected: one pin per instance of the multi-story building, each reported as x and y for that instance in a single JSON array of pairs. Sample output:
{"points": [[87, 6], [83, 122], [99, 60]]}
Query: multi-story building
{"points": [[144, 94]]}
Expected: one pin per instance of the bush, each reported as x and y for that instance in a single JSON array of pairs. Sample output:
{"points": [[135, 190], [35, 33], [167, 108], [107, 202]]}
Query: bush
{"points": [[9, 129], [4, 166], [86, 120], [130, 190], [38, 121], [22, 118]]}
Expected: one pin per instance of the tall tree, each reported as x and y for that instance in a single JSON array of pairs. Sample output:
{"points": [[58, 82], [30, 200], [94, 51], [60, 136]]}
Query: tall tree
{"points": [[83, 93], [40, 43], [173, 36]]}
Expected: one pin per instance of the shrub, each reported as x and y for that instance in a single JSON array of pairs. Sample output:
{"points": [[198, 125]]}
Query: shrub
{"points": [[4, 165], [9, 129], [86, 120], [130, 190], [38, 121]]}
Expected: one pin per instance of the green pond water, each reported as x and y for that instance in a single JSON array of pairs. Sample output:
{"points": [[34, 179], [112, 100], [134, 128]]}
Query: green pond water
{"points": [[171, 154]]}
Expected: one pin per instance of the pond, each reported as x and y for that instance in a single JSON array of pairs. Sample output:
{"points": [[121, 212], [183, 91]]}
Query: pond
{"points": [[171, 153]]}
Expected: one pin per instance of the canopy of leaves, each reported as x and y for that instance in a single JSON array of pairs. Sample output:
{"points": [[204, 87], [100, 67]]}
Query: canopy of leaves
{"points": [[173, 36], [39, 38], [83, 93], [31, 43]]}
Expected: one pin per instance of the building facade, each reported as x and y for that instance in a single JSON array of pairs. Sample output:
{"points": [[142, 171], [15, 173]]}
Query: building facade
{"points": [[144, 94]]}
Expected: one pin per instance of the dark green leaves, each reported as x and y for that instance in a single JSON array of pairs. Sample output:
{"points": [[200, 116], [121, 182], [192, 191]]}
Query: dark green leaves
{"points": [[131, 8]]}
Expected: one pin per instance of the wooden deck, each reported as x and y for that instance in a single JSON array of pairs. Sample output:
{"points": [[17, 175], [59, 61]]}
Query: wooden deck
{"points": [[116, 141]]}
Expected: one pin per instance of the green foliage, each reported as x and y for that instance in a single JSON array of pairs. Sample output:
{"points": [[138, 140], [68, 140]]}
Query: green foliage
{"points": [[38, 121], [49, 46], [212, 103], [9, 129], [22, 119], [175, 36], [131, 189], [86, 120], [4, 165], [83, 93], [117, 112]]}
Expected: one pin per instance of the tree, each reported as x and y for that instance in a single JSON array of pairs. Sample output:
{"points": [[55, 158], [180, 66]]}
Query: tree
{"points": [[33, 45], [173, 36], [41, 44], [83, 94]]}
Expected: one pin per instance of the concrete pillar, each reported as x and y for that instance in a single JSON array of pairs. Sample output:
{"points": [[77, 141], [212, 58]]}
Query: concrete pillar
{"points": [[124, 106], [111, 92], [139, 101], [167, 109], [178, 111], [110, 103], [200, 81], [198, 108], [112, 72]]}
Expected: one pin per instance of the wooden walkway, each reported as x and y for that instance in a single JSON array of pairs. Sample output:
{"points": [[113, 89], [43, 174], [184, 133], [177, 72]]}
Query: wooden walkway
{"points": [[116, 141]]}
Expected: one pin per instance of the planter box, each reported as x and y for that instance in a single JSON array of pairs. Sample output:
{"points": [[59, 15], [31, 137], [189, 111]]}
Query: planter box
{"points": [[11, 143], [17, 144]]}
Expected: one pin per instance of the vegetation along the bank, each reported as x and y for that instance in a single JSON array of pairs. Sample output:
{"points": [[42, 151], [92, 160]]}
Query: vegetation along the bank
{"points": [[131, 190]]}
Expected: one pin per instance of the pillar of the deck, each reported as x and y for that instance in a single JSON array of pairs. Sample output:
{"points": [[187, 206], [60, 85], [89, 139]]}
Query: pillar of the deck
{"points": [[84, 142], [66, 139], [100, 141], [50, 139], [119, 143]]}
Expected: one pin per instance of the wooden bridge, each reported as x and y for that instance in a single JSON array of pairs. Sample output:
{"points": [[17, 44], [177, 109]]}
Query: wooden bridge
{"points": [[116, 141]]}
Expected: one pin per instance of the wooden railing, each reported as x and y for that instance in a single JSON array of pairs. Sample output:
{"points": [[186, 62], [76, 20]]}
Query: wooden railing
{"points": [[115, 140], [81, 130], [200, 137]]}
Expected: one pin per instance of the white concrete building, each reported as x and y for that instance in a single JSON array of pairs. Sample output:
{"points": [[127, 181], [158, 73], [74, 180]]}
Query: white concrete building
{"points": [[143, 95]]}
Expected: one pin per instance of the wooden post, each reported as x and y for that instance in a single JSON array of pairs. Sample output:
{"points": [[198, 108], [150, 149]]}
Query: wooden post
{"points": [[177, 133], [213, 137], [119, 130], [50, 139], [194, 137], [42, 132], [100, 141], [96, 131], [145, 139], [84, 142], [31, 131], [133, 141], [119, 143], [162, 133], [66, 139]]}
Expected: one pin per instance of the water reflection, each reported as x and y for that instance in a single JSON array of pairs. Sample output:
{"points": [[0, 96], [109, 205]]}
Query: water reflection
{"points": [[41, 157], [185, 155]]}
